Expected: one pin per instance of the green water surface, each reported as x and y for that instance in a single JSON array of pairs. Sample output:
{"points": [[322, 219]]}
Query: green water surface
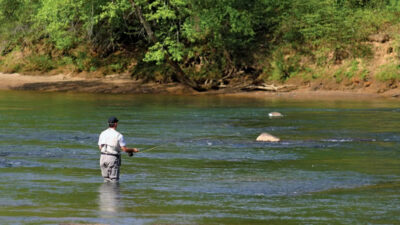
{"points": [[338, 161]]}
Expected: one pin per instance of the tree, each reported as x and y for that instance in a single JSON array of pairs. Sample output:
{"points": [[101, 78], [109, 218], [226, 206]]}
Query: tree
{"points": [[164, 49]]}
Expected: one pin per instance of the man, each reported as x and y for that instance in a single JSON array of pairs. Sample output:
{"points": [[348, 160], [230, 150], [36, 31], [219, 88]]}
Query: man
{"points": [[110, 144]]}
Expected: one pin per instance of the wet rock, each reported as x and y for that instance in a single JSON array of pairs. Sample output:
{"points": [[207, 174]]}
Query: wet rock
{"points": [[267, 138], [275, 114]]}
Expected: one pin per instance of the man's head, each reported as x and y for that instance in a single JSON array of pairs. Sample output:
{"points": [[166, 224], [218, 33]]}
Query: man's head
{"points": [[112, 121]]}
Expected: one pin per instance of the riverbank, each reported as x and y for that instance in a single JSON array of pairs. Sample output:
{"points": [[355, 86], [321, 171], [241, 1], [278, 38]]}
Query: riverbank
{"points": [[114, 84], [120, 84]]}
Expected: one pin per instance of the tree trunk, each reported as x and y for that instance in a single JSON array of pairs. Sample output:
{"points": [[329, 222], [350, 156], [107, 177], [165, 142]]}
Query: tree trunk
{"points": [[180, 75]]}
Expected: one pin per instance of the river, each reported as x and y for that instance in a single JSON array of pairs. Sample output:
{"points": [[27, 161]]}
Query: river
{"points": [[338, 161]]}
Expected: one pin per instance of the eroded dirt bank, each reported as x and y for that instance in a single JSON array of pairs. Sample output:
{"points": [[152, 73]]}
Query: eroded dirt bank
{"points": [[67, 83], [121, 85]]}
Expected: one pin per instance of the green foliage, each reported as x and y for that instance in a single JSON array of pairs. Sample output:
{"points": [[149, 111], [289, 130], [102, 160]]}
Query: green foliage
{"points": [[396, 45], [364, 3], [331, 26], [352, 69], [149, 72], [208, 38], [10, 67], [117, 63], [117, 67], [60, 20], [389, 72], [322, 56], [156, 53], [9, 8], [85, 62], [42, 63], [66, 60], [228, 30], [351, 72], [338, 75], [16, 23], [318, 22], [112, 24], [364, 74], [283, 68]]}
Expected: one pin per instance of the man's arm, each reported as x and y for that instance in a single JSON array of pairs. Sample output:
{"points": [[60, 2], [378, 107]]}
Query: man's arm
{"points": [[129, 150], [101, 142]]}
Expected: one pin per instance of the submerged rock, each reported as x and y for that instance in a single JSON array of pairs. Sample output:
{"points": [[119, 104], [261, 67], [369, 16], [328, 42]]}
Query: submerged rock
{"points": [[275, 114], [267, 138]]}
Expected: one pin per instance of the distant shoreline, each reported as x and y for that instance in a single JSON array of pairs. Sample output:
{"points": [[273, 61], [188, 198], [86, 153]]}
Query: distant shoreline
{"points": [[118, 85]]}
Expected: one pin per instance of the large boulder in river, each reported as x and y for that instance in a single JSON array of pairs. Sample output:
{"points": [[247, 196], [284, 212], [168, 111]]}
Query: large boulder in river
{"points": [[267, 138], [275, 114]]}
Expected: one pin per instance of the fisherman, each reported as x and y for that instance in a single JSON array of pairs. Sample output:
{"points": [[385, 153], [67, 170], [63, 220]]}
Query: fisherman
{"points": [[110, 144]]}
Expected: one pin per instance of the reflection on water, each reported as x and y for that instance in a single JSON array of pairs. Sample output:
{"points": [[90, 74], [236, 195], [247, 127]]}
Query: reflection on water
{"points": [[109, 199]]}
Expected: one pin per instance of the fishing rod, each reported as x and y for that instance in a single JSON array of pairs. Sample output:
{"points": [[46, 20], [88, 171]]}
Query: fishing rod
{"points": [[157, 146], [148, 149]]}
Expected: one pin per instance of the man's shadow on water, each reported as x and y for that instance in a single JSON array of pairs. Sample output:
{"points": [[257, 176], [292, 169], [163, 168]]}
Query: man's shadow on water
{"points": [[109, 199]]}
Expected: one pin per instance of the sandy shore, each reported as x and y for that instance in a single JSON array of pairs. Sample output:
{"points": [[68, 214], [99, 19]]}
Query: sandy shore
{"points": [[67, 83], [120, 85], [10, 81]]}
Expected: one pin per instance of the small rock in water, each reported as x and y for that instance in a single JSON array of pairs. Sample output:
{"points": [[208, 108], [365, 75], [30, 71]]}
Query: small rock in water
{"points": [[267, 137], [275, 114]]}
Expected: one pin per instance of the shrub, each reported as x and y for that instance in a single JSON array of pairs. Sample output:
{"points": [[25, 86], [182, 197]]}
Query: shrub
{"points": [[284, 67], [66, 60], [42, 63], [85, 62]]}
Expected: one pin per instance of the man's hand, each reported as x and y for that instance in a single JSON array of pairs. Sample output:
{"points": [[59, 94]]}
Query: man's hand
{"points": [[130, 151]]}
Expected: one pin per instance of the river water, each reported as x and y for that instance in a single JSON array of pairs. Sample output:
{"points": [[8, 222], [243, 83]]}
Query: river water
{"points": [[338, 161]]}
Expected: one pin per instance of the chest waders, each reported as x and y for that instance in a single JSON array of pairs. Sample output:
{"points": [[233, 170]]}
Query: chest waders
{"points": [[110, 161], [110, 150]]}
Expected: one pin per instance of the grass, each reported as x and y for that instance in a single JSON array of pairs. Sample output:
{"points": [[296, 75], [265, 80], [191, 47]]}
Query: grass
{"points": [[388, 72], [10, 65], [338, 75], [352, 71]]}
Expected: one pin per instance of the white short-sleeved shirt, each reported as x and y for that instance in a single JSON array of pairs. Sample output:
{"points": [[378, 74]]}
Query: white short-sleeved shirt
{"points": [[112, 139]]}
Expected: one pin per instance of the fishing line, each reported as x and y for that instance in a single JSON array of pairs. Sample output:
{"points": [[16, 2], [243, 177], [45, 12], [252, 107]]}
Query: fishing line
{"points": [[150, 149], [157, 146]]}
